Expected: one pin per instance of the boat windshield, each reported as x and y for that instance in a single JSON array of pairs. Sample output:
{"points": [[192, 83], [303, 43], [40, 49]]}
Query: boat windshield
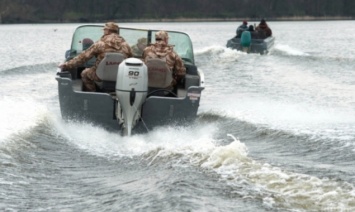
{"points": [[87, 34]]}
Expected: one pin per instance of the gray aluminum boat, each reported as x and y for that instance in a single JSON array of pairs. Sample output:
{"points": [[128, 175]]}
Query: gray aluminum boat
{"points": [[260, 46], [125, 100]]}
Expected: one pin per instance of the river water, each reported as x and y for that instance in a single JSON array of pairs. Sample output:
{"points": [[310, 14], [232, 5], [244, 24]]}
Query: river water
{"points": [[275, 132]]}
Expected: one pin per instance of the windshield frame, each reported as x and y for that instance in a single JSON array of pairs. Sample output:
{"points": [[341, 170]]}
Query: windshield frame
{"points": [[179, 40]]}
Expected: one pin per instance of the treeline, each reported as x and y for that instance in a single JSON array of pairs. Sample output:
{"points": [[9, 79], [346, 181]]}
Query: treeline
{"points": [[41, 11]]}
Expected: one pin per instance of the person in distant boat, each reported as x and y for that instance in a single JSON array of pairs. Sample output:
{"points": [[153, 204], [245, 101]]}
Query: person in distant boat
{"points": [[161, 49], [242, 28], [111, 41], [138, 48], [263, 28], [253, 33]]}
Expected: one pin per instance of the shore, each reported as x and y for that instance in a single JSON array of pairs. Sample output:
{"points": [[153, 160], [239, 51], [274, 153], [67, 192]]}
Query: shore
{"points": [[293, 18]]}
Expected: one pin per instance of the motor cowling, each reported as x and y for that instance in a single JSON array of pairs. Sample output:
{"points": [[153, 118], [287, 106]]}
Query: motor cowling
{"points": [[245, 39], [131, 91]]}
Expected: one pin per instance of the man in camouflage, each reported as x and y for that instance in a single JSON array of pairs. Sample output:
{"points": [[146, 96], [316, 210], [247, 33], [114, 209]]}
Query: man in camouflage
{"points": [[161, 49], [111, 41]]}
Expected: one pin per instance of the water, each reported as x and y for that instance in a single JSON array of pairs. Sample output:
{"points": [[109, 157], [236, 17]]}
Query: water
{"points": [[275, 132]]}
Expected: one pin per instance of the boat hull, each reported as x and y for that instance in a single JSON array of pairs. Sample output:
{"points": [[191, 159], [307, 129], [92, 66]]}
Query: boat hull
{"points": [[103, 109], [260, 46]]}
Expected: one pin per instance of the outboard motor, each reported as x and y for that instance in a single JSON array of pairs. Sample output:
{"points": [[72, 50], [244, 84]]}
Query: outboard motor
{"points": [[245, 41], [131, 91]]}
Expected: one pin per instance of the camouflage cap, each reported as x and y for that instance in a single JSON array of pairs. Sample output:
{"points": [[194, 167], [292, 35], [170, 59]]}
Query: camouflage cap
{"points": [[111, 26], [161, 35], [142, 41]]}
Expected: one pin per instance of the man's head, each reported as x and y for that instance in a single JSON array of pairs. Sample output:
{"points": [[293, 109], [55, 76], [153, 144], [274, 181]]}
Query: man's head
{"points": [[111, 27], [162, 36], [87, 42], [142, 43], [245, 22]]}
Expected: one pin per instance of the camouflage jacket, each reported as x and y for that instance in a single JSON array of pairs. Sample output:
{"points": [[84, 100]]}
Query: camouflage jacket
{"points": [[107, 43], [162, 50]]}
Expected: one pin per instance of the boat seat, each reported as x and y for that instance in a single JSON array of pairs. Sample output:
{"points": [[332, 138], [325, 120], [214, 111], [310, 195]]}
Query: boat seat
{"points": [[159, 74], [191, 69], [107, 70]]}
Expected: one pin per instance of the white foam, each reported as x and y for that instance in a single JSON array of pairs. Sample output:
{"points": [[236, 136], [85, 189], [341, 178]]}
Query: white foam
{"points": [[278, 188], [18, 115], [219, 51], [290, 50], [196, 145], [111, 144]]}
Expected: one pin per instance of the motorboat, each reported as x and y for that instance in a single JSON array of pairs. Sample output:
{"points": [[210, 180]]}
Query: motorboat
{"points": [[129, 99], [260, 46]]}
